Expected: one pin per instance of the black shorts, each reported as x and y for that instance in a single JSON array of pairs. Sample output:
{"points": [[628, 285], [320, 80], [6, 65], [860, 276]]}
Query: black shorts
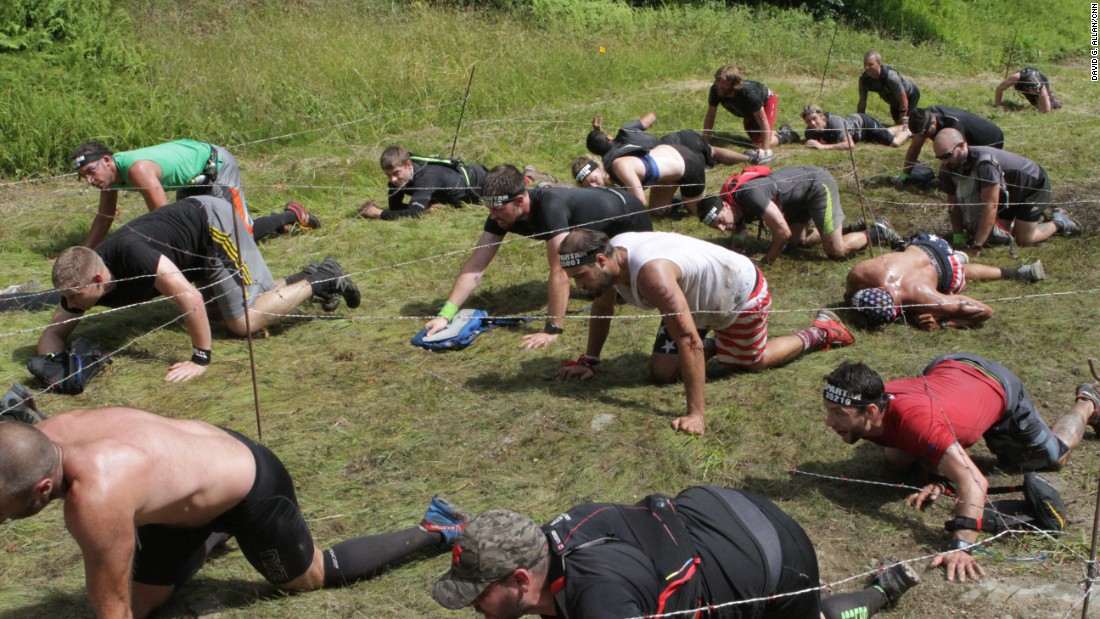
{"points": [[875, 132], [1030, 208], [694, 181], [267, 524], [695, 142], [733, 566], [1021, 438], [914, 103]]}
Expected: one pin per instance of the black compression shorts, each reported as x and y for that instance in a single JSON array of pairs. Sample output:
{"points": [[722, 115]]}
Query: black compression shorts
{"points": [[694, 181], [695, 142], [267, 524]]}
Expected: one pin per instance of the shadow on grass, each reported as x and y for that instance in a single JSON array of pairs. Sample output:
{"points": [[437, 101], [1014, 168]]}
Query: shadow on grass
{"points": [[498, 301], [725, 139], [200, 597], [869, 500], [113, 330], [50, 248], [628, 370]]}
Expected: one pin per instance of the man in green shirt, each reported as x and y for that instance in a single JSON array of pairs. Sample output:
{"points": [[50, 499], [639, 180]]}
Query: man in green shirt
{"points": [[188, 166]]}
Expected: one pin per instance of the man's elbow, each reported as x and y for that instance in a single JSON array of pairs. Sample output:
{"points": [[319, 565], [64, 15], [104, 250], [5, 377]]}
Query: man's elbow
{"points": [[983, 315]]}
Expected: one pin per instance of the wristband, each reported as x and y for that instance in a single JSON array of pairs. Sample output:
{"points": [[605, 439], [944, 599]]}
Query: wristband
{"points": [[961, 544], [200, 356], [448, 311], [958, 238], [552, 329], [962, 523], [587, 361]]}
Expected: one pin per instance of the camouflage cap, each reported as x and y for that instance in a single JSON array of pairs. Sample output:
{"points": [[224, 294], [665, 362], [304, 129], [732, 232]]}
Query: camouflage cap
{"points": [[492, 546]]}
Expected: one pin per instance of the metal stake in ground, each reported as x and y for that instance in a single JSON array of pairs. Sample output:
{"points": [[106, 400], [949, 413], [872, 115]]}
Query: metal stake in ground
{"points": [[1092, 572], [462, 113], [862, 202], [248, 328], [829, 56], [1008, 66]]}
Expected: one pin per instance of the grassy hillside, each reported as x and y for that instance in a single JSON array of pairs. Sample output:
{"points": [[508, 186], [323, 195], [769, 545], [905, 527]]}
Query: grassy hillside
{"points": [[240, 71], [371, 427]]}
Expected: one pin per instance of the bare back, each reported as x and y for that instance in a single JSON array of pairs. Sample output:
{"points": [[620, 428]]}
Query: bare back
{"points": [[669, 162], [907, 275], [158, 470]]}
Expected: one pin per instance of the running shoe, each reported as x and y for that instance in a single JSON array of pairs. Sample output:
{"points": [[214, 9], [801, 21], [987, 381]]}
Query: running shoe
{"points": [[337, 281], [445, 518], [24, 288], [1067, 226], [759, 157], [895, 580], [1033, 272], [858, 225], [838, 334], [882, 233], [1086, 391], [306, 220], [18, 404], [788, 135], [329, 300]]}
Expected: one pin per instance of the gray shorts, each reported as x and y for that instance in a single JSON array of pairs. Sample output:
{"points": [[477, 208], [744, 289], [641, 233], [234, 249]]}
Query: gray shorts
{"points": [[824, 209], [226, 185], [228, 269]]}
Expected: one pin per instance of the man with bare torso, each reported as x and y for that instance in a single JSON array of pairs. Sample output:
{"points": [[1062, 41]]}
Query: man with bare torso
{"points": [[925, 278], [143, 495]]}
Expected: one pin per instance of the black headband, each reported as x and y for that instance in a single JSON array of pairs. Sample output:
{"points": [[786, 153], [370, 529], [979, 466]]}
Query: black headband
{"points": [[708, 217], [80, 160], [585, 170], [842, 396], [580, 258], [499, 201]]}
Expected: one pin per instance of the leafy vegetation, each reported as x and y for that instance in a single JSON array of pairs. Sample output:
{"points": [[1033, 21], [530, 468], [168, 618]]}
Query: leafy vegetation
{"points": [[371, 427]]}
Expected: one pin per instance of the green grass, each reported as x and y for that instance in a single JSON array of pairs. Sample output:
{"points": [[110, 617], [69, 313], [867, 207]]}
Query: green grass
{"points": [[372, 427]]}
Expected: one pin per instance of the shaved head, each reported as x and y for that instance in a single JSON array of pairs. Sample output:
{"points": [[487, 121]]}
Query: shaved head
{"points": [[946, 140], [26, 457]]}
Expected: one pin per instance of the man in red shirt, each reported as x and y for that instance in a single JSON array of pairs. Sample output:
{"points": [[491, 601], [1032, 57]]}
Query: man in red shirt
{"points": [[933, 418]]}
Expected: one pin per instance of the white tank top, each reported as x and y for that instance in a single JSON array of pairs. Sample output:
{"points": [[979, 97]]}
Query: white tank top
{"points": [[716, 281]]}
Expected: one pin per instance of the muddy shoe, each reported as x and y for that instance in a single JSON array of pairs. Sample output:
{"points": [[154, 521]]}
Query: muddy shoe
{"points": [[330, 278], [882, 233], [18, 404], [1033, 272], [895, 580], [1067, 226]]}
